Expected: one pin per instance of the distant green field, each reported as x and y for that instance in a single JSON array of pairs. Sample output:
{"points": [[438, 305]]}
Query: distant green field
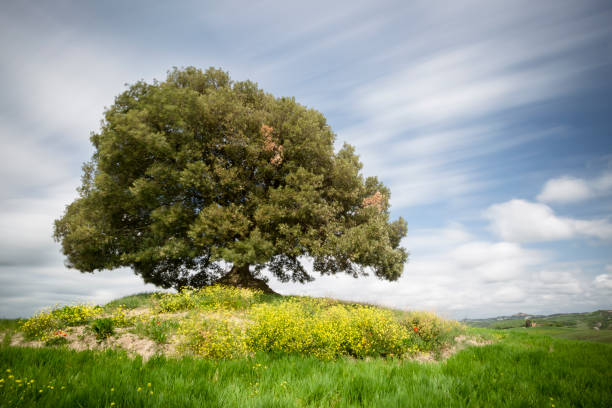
{"points": [[523, 368], [594, 326], [604, 336]]}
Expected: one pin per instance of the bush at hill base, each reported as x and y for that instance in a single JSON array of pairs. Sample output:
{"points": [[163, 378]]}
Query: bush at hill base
{"points": [[222, 322]]}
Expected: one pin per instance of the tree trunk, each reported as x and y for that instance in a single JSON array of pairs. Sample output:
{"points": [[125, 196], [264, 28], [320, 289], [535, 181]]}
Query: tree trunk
{"points": [[240, 276]]}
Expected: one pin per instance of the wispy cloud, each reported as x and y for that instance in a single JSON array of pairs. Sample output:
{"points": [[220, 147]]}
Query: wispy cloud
{"points": [[524, 221], [569, 189], [423, 124]]}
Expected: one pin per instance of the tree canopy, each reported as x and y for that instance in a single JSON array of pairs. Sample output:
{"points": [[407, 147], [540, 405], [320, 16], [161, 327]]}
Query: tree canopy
{"points": [[199, 175]]}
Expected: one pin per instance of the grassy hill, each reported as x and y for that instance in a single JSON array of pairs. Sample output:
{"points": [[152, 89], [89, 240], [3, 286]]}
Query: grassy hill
{"points": [[593, 326], [222, 347], [225, 322]]}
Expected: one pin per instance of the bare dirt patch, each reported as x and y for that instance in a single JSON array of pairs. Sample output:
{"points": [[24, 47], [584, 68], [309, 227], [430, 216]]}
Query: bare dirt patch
{"points": [[81, 338], [136, 345], [461, 342], [18, 340], [471, 341]]}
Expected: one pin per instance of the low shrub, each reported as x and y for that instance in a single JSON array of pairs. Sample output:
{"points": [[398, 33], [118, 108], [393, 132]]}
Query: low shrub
{"points": [[186, 299], [430, 332], [120, 317], [58, 338], [209, 297], [217, 337], [156, 329], [327, 331], [103, 328], [227, 297], [362, 331], [43, 323]]}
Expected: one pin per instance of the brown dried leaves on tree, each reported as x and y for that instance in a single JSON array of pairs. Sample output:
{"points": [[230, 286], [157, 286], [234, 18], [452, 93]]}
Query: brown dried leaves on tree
{"points": [[375, 200], [271, 146]]}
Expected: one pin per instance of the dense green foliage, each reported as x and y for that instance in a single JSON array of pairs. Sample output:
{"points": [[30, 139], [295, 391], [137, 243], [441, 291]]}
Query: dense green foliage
{"points": [[198, 172], [519, 370], [103, 328]]}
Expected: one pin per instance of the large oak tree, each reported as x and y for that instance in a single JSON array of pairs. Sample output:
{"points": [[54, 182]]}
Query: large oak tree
{"points": [[200, 179]]}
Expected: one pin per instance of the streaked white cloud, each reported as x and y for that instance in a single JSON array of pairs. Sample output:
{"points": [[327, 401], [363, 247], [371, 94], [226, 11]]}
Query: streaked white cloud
{"points": [[428, 124], [569, 189], [518, 66], [603, 281], [524, 221]]}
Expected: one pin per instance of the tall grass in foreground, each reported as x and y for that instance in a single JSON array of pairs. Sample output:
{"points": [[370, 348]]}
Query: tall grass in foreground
{"points": [[520, 370]]}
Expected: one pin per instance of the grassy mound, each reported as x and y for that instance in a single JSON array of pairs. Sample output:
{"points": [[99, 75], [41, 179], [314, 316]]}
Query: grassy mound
{"points": [[239, 348], [222, 322]]}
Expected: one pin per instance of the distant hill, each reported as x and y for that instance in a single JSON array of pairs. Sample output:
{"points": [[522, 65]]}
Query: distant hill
{"points": [[597, 320]]}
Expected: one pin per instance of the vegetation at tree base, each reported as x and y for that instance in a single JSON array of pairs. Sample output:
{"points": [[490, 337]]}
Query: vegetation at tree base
{"points": [[199, 172], [222, 322]]}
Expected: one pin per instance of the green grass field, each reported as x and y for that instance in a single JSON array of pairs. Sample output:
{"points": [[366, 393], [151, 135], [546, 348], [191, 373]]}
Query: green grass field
{"points": [[520, 369], [603, 336], [602, 319], [239, 349]]}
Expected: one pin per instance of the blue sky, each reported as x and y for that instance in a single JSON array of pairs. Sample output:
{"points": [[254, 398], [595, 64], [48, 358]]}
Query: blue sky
{"points": [[490, 122]]}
